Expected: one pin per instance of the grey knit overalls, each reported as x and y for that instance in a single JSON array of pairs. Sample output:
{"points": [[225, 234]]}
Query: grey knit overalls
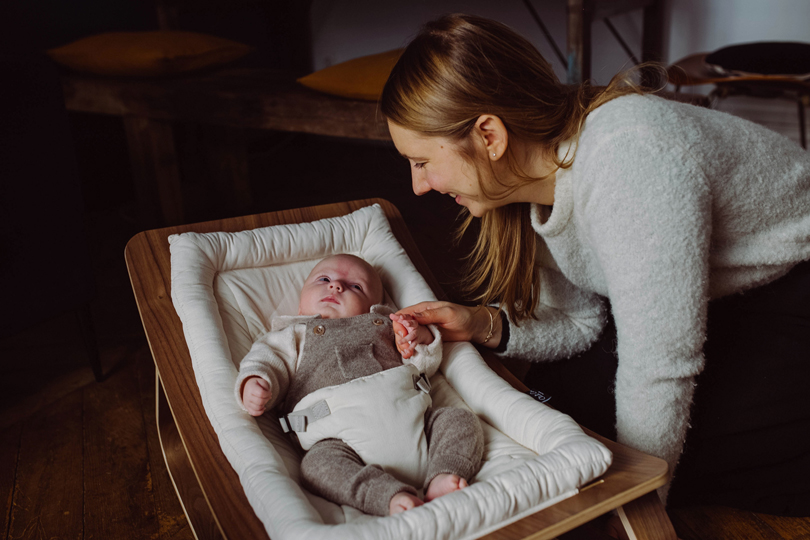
{"points": [[336, 351]]}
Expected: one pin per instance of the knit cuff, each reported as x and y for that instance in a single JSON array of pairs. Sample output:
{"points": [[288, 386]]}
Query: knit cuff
{"points": [[504, 333]]}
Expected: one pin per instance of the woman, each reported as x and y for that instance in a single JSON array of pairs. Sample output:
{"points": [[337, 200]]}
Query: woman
{"points": [[686, 228]]}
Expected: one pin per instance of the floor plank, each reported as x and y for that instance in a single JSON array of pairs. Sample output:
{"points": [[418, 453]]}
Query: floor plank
{"points": [[720, 523], [53, 367], [48, 500], [9, 453], [117, 479], [788, 528], [172, 523]]}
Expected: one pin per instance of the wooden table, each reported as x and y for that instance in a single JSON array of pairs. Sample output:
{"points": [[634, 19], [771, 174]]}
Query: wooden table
{"points": [[225, 104], [582, 14], [208, 487]]}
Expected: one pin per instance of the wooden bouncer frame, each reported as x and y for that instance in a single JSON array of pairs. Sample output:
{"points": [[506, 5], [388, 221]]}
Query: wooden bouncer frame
{"points": [[209, 489]]}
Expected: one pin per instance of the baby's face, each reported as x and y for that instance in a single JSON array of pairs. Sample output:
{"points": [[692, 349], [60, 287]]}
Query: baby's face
{"points": [[340, 286]]}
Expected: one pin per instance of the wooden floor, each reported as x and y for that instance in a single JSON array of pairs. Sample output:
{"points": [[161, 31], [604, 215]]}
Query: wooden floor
{"points": [[81, 459]]}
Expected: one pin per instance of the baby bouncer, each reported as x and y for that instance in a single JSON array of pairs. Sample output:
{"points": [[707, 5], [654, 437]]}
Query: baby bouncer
{"points": [[205, 291]]}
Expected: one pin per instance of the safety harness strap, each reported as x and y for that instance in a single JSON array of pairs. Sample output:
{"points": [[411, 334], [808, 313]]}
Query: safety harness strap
{"points": [[298, 420]]}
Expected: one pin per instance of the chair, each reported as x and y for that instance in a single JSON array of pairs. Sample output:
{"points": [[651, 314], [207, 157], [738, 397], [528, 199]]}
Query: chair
{"points": [[694, 70], [208, 488]]}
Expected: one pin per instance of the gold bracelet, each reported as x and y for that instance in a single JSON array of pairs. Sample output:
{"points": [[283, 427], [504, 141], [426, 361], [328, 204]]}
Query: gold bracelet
{"points": [[491, 324]]}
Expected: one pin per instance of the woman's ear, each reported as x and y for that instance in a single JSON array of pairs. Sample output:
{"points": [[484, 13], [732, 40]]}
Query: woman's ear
{"points": [[494, 135]]}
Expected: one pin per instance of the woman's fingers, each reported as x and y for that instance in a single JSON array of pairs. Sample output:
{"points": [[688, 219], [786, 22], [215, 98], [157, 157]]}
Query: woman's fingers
{"points": [[420, 308], [434, 313], [454, 321]]}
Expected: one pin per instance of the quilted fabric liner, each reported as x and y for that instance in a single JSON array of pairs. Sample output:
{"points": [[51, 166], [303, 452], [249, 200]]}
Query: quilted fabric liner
{"points": [[227, 286]]}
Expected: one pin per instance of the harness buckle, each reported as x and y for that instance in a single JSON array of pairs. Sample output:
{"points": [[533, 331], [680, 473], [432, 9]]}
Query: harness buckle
{"points": [[299, 420], [421, 383]]}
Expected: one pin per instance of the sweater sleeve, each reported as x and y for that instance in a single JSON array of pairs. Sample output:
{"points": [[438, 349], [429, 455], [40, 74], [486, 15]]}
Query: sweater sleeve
{"points": [[272, 357], [647, 216], [567, 320]]}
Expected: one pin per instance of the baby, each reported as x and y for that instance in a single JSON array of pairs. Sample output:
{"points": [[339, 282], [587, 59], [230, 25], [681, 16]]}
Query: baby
{"points": [[357, 397]]}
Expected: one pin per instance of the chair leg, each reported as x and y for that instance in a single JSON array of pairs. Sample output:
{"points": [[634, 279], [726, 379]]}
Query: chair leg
{"points": [[802, 133], [89, 337], [155, 170], [646, 519]]}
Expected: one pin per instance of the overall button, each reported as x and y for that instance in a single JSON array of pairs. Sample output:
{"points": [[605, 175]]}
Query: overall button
{"points": [[319, 330], [378, 322]]}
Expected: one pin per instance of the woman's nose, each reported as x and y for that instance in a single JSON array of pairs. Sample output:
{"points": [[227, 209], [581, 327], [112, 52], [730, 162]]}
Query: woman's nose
{"points": [[420, 185]]}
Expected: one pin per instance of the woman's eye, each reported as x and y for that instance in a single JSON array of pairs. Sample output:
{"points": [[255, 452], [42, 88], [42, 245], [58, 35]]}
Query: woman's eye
{"points": [[418, 165]]}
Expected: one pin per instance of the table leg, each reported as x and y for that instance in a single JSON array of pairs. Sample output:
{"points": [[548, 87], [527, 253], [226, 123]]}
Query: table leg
{"points": [[155, 170], [578, 49], [225, 154], [652, 42], [803, 100]]}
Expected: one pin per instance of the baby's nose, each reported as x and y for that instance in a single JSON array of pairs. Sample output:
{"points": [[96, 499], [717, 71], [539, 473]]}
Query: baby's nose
{"points": [[336, 285]]}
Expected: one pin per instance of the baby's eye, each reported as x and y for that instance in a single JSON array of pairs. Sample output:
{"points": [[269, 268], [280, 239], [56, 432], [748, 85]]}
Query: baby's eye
{"points": [[358, 287], [323, 279]]}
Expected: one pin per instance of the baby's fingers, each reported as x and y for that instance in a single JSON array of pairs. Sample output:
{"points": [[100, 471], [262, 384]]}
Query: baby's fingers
{"points": [[254, 408], [404, 346], [401, 343], [410, 324], [406, 352], [399, 329]]}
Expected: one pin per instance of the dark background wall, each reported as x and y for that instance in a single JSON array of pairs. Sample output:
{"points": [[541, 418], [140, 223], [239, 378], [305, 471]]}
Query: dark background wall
{"points": [[287, 170]]}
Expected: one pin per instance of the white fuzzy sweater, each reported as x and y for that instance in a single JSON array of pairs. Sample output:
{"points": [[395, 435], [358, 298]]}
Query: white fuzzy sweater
{"points": [[665, 206]]}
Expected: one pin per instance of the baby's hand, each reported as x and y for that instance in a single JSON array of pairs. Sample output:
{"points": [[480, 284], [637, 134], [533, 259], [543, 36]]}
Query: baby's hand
{"points": [[255, 395], [409, 334]]}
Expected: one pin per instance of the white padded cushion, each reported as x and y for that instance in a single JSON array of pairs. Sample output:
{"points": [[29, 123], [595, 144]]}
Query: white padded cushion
{"points": [[227, 286]]}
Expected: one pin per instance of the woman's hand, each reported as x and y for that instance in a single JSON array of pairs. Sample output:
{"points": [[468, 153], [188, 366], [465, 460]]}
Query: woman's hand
{"points": [[457, 322]]}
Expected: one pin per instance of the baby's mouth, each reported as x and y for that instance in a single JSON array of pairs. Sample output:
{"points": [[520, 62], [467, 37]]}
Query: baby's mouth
{"points": [[330, 299]]}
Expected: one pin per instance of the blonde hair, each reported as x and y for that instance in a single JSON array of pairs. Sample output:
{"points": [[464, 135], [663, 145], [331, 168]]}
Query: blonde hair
{"points": [[460, 67]]}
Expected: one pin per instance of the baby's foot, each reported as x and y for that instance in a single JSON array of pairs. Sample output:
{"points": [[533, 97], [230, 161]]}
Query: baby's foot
{"points": [[443, 484], [403, 501]]}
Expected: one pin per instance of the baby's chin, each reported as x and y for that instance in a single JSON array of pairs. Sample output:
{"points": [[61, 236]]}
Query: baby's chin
{"points": [[328, 314]]}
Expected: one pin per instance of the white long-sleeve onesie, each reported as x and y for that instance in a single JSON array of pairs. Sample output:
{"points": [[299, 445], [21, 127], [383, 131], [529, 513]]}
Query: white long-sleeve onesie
{"points": [[274, 355]]}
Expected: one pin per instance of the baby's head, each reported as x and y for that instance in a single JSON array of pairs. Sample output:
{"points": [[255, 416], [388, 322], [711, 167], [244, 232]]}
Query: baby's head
{"points": [[340, 286]]}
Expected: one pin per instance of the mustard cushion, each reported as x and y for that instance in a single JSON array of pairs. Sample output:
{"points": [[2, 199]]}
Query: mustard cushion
{"points": [[359, 78], [145, 54]]}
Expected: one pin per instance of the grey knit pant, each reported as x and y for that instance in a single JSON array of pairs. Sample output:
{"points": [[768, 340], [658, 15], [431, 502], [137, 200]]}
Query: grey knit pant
{"points": [[332, 470]]}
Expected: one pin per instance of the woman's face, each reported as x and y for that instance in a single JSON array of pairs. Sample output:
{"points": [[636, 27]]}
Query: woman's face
{"points": [[437, 164]]}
